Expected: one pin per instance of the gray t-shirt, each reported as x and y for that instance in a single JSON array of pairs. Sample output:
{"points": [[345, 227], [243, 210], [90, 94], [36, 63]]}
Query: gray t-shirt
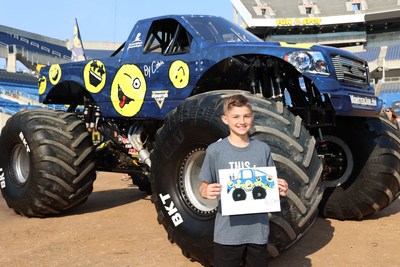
{"points": [[237, 229]]}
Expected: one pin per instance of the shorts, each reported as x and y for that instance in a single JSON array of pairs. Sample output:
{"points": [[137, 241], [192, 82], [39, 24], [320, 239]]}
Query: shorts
{"points": [[249, 255]]}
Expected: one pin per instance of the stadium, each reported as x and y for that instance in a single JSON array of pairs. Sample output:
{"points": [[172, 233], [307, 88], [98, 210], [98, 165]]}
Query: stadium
{"points": [[327, 133], [23, 54], [370, 29]]}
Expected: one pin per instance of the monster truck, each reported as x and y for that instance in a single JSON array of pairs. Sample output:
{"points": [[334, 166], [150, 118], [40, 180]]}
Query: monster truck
{"points": [[152, 108]]}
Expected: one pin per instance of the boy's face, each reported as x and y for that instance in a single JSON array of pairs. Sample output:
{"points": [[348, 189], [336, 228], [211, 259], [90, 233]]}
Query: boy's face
{"points": [[239, 120]]}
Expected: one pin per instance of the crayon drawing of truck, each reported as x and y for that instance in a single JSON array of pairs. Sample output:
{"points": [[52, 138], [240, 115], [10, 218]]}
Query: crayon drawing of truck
{"points": [[250, 180]]}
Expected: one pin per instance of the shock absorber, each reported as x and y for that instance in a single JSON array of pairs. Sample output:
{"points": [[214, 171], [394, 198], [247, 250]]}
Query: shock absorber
{"points": [[134, 137], [252, 77], [87, 113], [92, 116], [97, 116], [278, 80]]}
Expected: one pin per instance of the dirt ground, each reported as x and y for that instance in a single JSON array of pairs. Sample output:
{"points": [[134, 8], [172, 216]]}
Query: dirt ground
{"points": [[117, 226]]}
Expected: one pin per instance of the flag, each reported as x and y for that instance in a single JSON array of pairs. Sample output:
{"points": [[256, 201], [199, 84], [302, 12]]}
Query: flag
{"points": [[77, 51]]}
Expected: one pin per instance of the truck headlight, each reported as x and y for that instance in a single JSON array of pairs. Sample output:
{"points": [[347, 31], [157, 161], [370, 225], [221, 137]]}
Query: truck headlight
{"points": [[307, 61]]}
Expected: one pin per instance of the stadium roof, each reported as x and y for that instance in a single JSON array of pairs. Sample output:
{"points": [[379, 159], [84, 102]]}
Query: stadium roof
{"points": [[340, 23], [34, 48], [278, 13]]}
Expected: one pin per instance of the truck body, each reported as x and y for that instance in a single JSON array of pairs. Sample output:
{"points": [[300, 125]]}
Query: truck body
{"points": [[199, 48]]}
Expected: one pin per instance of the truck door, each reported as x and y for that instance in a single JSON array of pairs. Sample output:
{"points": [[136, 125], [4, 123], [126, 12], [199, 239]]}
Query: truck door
{"points": [[164, 58]]}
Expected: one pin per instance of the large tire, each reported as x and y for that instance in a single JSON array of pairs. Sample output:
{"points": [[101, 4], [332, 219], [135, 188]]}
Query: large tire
{"points": [[47, 162], [141, 181], [178, 156], [371, 180]]}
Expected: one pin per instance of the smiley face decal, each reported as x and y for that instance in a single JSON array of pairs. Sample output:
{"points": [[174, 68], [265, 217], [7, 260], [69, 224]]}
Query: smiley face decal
{"points": [[54, 74], [128, 90], [179, 74], [42, 82], [94, 76]]}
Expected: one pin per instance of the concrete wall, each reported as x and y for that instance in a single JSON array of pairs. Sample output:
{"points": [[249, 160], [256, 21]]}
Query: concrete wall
{"points": [[3, 119]]}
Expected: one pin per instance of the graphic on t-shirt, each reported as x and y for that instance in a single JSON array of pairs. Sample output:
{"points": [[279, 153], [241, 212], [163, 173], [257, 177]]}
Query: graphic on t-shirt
{"points": [[249, 181], [249, 190]]}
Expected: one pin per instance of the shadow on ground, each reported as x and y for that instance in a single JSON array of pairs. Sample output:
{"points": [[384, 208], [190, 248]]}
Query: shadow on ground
{"points": [[319, 235], [104, 200]]}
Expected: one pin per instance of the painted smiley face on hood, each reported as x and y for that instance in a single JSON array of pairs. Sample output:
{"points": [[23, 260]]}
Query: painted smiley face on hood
{"points": [[128, 90], [42, 82], [54, 73], [94, 76], [179, 74]]}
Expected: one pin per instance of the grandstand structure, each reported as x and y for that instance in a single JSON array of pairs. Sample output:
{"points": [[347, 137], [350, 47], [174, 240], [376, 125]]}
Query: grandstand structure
{"points": [[18, 90], [368, 28], [34, 50]]}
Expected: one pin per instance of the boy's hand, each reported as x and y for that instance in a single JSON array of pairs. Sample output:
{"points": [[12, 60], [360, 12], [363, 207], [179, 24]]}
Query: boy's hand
{"points": [[210, 191], [283, 187]]}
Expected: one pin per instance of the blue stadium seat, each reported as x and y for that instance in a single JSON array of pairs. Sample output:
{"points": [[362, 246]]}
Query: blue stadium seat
{"points": [[370, 54], [393, 52]]}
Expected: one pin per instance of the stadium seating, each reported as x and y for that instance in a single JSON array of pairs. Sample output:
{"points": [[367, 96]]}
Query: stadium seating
{"points": [[370, 54], [291, 8], [390, 87], [92, 53], [390, 93], [17, 78], [332, 8], [38, 45], [381, 5], [393, 52]]}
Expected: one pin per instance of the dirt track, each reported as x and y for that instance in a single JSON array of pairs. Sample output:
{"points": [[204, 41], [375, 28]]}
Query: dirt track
{"points": [[117, 226]]}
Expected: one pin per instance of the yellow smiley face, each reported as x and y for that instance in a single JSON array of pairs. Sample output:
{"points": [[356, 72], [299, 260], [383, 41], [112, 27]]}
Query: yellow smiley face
{"points": [[54, 74], [94, 76], [128, 90], [248, 184], [42, 82], [179, 74]]}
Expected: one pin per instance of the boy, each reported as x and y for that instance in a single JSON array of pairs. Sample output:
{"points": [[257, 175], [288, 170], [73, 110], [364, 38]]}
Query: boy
{"points": [[237, 238]]}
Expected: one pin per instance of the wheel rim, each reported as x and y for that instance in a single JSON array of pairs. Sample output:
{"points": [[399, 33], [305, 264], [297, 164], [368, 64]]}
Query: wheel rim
{"points": [[190, 183], [338, 161], [20, 164]]}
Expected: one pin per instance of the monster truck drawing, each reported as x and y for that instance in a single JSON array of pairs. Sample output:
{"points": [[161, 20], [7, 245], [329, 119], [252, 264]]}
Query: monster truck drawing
{"points": [[156, 105], [250, 180]]}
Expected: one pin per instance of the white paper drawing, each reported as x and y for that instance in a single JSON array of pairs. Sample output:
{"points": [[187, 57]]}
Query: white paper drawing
{"points": [[249, 190]]}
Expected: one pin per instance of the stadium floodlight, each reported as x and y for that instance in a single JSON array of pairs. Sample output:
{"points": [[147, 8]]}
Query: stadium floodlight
{"points": [[308, 61]]}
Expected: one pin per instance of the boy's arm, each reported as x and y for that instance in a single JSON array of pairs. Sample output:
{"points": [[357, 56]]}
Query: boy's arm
{"points": [[210, 191]]}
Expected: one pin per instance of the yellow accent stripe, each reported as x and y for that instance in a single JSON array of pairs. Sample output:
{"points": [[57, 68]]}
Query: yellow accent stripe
{"points": [[299, 45]]}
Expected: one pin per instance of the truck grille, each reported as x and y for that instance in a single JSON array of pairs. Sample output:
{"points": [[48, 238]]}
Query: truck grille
{"points": [[350, 71]]}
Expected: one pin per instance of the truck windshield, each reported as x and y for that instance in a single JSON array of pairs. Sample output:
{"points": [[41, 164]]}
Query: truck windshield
{"points": [[220, 30]]}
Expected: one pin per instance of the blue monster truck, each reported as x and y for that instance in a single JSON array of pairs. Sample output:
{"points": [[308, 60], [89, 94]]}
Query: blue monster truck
{"points": [[250, 180], [152, 108]]}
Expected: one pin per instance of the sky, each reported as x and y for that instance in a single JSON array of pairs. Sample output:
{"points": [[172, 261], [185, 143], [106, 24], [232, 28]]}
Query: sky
{"points": [[101, 20]]}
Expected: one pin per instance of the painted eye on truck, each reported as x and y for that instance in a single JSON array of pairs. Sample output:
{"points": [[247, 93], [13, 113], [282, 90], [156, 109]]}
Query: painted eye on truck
{"points": [[128, 90], [136, 83]]}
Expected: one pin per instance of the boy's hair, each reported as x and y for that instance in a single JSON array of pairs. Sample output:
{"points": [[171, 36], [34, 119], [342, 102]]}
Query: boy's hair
{"points": [[236, 101]]}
